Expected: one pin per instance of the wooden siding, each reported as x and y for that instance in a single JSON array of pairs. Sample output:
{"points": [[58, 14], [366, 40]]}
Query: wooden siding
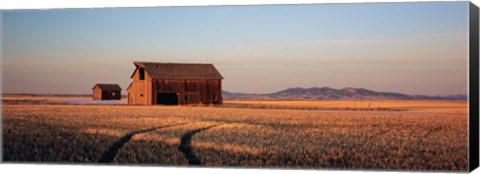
{"points": [[99, 94], [190, 91], [140, 93]]}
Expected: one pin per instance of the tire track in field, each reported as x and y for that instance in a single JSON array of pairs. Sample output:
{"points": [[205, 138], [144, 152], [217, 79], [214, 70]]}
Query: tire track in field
{"points": [[109, 155], [186, 148]]}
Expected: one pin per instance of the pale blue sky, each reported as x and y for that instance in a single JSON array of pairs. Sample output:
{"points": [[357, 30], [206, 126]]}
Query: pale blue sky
{"points": [[413, 48]]}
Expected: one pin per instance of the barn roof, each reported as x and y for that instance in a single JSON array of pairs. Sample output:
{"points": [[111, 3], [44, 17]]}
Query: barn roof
{"points": [[112, 87], [182, 71]]}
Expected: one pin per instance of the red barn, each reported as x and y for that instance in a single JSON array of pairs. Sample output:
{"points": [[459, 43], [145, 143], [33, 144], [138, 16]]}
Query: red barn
{"points": [[175, 84]]}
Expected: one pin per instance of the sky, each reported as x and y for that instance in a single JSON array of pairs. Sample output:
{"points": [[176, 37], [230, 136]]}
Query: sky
{"points": [[411, 48]]}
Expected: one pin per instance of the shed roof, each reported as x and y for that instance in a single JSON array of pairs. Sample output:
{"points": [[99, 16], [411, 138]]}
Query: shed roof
{"points": [[182, 71], [112, 87]]}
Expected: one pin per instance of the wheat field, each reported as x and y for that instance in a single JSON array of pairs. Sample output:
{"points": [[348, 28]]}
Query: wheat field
{"points": [[417, 138], [438, 106]]}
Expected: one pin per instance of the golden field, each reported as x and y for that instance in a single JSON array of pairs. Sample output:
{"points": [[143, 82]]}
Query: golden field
{"points": [[439, 106], [423, 135]]}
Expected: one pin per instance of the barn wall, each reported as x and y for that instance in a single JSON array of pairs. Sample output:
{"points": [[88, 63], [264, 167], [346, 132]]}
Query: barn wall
{"points": [[141, 90], [106, 95], [198, 91], [97, 93]]}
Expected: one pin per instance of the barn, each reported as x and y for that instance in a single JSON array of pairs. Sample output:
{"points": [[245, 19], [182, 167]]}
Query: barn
{"points": [[107, 92], [175, 84]]}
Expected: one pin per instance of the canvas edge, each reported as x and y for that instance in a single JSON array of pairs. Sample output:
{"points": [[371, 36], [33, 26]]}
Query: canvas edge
{"points": [[473, 88], [1, 83]]}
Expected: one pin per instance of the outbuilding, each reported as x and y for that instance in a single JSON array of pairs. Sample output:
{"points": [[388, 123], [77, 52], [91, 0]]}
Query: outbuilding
{"points": [[107, 92], [156, 83]]}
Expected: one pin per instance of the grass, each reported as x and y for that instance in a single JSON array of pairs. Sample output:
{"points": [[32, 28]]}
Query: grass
{"points": [[421, 139]]}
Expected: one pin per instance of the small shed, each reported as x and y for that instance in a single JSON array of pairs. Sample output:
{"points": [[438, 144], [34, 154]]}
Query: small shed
{"points": [[107, 92]]}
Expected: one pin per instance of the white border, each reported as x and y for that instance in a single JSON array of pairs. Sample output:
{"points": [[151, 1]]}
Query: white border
{"points": [[54, 4], [49, 4]]}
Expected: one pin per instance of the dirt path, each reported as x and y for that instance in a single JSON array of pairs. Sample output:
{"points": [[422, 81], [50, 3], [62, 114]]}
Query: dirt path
{"points": [[186, 148], [109, 155]]}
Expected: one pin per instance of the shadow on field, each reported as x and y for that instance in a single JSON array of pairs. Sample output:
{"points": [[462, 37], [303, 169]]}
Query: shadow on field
{"points": [[109, 155], [186, 148]]}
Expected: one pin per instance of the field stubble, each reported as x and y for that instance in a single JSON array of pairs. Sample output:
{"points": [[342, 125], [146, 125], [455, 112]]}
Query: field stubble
{"points": [[241, 137]]}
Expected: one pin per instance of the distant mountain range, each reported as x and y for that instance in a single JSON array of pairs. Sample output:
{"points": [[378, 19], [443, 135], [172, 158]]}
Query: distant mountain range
{"points": [[326, 93]]}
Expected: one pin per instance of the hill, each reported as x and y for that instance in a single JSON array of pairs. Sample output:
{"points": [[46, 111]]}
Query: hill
{"points": [[327, 93]]}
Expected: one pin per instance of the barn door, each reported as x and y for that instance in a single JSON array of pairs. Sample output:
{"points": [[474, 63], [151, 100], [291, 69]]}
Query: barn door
{"points": [[164, 98]]}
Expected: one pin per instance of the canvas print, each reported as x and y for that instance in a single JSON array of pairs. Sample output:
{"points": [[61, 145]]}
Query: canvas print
{"points": [[370, 86]]}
